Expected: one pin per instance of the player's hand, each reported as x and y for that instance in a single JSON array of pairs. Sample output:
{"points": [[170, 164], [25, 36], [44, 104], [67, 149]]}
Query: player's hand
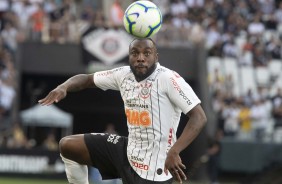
{"points": [[174, 165], [55, 95]]}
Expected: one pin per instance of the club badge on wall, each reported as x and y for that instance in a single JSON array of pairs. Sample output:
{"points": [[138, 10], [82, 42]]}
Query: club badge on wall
{"points": [[105, 46]]}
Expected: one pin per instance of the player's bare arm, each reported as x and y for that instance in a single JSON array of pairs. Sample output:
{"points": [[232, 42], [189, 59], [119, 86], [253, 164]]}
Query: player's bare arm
{"points": [[197, 120], [75, 83]]}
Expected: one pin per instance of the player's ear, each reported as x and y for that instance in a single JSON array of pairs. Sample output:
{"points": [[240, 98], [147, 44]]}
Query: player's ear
{"points": [[157, 57]]}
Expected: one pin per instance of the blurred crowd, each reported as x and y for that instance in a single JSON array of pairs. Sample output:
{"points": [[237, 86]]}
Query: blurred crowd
{"points": [[249, 33]]}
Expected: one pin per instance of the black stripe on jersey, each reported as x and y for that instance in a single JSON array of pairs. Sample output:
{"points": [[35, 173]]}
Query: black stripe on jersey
{"points": [[147, 128], [140, 133], [152, 115], [134, 128], [153, 78], [160, 122], [127, 83]]}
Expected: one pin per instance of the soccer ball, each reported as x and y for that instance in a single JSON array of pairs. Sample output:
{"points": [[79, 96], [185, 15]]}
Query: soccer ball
{"points": [[142, 19]]}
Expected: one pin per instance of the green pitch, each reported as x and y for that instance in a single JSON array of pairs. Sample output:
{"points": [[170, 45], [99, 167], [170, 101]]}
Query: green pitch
{"points": [[4, 180]]}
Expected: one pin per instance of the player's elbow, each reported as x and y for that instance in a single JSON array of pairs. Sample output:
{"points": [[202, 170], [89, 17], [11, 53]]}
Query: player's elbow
{"points": [[198, 115], [203, 118]]}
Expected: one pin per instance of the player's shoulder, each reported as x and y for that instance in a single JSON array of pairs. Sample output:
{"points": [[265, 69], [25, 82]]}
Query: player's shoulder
{"points": [[122, 69], [115, 72], [166, 73]]}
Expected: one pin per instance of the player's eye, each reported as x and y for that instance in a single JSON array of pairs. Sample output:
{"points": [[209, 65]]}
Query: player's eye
{"points": [[147, 53], [134, 53]]}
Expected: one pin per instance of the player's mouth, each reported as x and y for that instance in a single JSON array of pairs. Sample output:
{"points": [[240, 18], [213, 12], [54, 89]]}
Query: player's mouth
{"points": [[141, 69]]}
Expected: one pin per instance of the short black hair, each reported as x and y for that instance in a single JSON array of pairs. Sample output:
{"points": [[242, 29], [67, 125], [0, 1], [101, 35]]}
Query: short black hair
{"points": [[136, 38]]}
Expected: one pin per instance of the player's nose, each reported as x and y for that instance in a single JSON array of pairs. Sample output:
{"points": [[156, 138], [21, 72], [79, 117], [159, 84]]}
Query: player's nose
{"points": [[140, 58]]}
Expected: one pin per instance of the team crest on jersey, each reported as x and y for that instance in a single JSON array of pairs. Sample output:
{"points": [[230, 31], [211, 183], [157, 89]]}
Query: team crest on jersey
{"points": [[145, 90]]}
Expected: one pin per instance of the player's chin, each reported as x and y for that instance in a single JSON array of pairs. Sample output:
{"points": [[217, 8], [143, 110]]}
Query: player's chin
{"points": [[140, 75], [141, 71]]}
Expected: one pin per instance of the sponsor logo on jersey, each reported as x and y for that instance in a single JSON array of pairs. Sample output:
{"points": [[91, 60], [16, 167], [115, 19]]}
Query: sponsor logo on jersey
{"points": [[176, 74], [135, 158], [138, 118], [144, 106], [181, 93], [139, 165], [170, 137], [169, 140]]}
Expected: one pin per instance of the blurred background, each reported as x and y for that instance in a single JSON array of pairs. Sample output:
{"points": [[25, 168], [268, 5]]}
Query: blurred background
{"points": [[229, 51]]}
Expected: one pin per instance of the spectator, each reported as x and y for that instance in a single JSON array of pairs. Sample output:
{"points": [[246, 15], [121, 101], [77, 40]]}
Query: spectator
{"points": [[249, 98], [7, 91], [277, 108], [259, 115], [180, 22], [49, 6], [278, 13], [178, 7], [245, 58], [270, 22], [260, 58], [273, 48], [230, 49], [229, 84], [245, 121], [116, 14], [50, 143], [213, 153], [88, 14], [267, 6], [4, 5], [256, 27], [197, 34], [9, 36], [163, 6], [213, 36], [17, 138], [37, 19], [23, 9], [216, 81], [231, 123]]}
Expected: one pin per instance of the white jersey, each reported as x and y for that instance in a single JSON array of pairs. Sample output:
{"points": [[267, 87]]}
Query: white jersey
{"points": [[153, 108]]}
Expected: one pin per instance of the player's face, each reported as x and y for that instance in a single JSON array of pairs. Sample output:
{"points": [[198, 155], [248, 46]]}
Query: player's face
{"points": [[143, 57]]}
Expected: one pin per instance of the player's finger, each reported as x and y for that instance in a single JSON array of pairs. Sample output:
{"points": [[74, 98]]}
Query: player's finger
{"points": [[43, 101], [46, 100], [176, 174], [182, 174], [49, 99], [52, 100], [182, 166]]}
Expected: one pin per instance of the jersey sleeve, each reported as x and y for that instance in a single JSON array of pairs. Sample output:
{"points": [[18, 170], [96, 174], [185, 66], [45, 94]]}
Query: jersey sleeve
{"points": [[180, 92], [108, 79]]}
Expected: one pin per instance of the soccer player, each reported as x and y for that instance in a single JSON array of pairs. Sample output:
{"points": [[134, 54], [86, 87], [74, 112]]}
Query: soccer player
{"points": [[154, 98]]}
